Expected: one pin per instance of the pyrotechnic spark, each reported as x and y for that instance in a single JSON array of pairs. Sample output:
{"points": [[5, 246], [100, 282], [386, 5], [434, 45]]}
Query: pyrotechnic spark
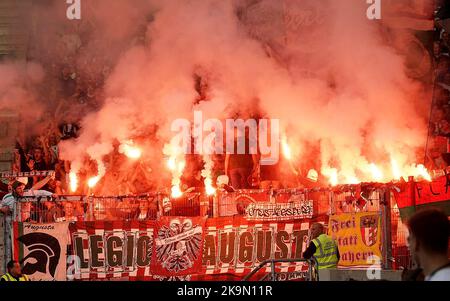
{"points": [[129, 150], [286, 149], [176, 192], [181, 166], [176, 164], [352, 180], [377, 174], [208, 164], [423, 172], [395, 169], [332, 175], [133, 152], [210, 190], [171, 164], [73, 181], [93, 181]]}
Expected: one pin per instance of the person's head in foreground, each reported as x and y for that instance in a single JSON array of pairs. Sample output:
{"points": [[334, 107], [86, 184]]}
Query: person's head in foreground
{"points": [[428, 243], [14, 272], [316, 230], [14, 268]]}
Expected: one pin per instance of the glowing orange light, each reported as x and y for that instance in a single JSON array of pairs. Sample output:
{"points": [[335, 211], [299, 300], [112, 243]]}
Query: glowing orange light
{"points": [[332, 175], [423, 172], [93, 181], [129, 150], [133, 152], [286, 149], [210, 190], [395, 169], [176, 192], [73, 181], [377, 174]]}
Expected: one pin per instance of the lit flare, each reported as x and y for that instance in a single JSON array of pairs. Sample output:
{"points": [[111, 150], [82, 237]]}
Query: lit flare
{"points": [[73, 181], [287, 153], [93, 181], [129, 150]]}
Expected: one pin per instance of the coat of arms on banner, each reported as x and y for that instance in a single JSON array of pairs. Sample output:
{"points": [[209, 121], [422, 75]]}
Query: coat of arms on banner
{"points": [[178, 246], [369, 229]]}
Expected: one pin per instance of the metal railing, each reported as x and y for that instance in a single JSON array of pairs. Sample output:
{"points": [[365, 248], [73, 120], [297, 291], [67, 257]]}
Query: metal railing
{"points": [[311, 275], [81, 208]]}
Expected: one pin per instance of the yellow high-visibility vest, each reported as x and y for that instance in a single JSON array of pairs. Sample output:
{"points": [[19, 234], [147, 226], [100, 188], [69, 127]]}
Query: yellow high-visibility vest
{"points": [[8, 277], [326, 252]]}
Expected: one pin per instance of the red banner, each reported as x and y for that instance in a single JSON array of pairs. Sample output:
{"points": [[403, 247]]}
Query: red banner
{"points": [[411, 196], [421, 193], [104, 250], [181, 248], [233, 247]]}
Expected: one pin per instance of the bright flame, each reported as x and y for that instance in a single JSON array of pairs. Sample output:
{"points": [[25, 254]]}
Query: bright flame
{"points": [[130, 150], [181, 166], [353, 180], [133, 152], [175, 163], [377, 174], [395, 169], [210, 190], [73, 181], [93, 181], [176, 192], [286, 149], [332, 175], [423, 172], [171, 164]]}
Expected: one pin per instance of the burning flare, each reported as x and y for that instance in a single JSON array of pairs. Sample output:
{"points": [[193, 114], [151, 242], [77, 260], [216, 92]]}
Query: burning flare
{"points": [[129, 150], [373, 172], [208, 166], [422, 171], [175, 163], [93, 181], [73, 181], [210, 190], [176, 192], [377, 174], [352, 180], [171, 164], [286, 149], [332, 175], [396, 173]]}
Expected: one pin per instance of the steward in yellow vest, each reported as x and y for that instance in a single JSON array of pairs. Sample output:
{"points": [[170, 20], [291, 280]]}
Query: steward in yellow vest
{"points": [[322, 248], [14, 273]]}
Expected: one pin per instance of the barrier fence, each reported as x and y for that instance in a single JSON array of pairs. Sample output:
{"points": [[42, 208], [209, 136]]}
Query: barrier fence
{"points": [[46, 209]]}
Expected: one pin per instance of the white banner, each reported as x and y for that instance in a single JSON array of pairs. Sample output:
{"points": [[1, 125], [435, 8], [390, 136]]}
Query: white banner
{"points": [[42, 250], [279, 212], [12, 174]]}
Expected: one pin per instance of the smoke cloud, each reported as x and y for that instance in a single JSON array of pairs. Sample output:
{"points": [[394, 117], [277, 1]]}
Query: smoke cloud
{"points": [[321, 67]]}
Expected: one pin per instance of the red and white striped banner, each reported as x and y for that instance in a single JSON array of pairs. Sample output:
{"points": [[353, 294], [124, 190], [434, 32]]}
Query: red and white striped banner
{"points": [[231, 247]]}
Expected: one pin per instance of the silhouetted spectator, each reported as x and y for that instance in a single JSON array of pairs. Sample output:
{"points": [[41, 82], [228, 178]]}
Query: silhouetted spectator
{"points": [[429, 231]]}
